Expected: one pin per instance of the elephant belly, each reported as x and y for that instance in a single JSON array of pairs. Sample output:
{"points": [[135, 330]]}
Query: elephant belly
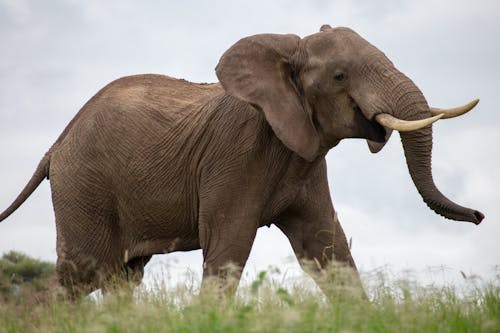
{"points": [[153, 226], [160, 246]]}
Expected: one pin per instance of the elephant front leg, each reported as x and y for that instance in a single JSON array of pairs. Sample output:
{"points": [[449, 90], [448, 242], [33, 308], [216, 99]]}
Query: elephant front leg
{"points": [[323, 251], [226, 241]]}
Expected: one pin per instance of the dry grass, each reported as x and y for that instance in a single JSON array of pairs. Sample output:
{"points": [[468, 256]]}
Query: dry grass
{"points": [[265, 305]]}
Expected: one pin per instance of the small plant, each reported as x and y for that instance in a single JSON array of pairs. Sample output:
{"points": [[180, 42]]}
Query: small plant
{"points": [[21, 275]]}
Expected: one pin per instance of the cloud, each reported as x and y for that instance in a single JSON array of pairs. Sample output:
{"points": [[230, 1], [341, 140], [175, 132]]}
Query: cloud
{"points": [[56, 55]]}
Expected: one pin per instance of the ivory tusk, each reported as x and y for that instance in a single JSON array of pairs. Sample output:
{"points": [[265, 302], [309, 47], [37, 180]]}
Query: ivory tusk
{"points": [[400, 125], [455, 112]]}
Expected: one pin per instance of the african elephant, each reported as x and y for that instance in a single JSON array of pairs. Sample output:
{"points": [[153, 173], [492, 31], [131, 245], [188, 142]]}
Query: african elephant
{"points": [[153, 164]]}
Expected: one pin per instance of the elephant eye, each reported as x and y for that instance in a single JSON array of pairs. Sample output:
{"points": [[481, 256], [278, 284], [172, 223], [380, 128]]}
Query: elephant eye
{"points": [[339, 76]]}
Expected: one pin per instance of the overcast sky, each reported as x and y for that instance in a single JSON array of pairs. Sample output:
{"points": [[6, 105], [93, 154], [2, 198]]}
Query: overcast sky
{"points": [[56, 54]]}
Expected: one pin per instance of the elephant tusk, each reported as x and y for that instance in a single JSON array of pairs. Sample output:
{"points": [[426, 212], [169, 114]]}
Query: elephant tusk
{"points": [[455, 112], [400, 125]]}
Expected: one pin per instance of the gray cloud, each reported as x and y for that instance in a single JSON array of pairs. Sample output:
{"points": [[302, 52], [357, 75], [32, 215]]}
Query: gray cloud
{"points": [[56, 55]]}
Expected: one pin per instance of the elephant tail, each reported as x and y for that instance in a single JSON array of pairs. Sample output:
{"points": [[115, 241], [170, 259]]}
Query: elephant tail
{"points": [[41, 172]]}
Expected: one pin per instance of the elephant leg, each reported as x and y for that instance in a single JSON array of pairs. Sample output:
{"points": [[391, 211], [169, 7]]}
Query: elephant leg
{"points": [[323, 251], [79, 276], [135, 269], [88, 237], [125, 280], [226, 244]]}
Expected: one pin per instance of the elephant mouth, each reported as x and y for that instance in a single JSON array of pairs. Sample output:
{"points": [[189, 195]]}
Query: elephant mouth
{"points": [[371, 128]]}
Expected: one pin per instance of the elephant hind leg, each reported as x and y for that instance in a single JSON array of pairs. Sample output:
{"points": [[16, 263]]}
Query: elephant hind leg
{"points": [[134, 269], [125, 278], [86, 276], [78, 278], [87, 262], [88, 252], [88, 235]]}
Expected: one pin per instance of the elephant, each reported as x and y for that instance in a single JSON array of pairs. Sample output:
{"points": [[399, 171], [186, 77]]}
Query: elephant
{"points": [[153, 164]]}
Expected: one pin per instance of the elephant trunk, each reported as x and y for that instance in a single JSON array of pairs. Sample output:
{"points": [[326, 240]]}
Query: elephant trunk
{"points": [[417, 145]]}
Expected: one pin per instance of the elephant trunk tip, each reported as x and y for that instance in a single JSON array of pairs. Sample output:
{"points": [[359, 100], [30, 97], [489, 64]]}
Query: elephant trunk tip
{"points": [[473, 216], [479, 217], [458, 213]]}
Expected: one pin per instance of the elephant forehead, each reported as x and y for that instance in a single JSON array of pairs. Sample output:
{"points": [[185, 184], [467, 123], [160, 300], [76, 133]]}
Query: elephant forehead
{"points": [[337, 43]]}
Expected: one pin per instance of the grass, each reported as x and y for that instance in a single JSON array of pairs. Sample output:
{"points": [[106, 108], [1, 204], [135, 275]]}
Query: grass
{"points": [[265, 305]]}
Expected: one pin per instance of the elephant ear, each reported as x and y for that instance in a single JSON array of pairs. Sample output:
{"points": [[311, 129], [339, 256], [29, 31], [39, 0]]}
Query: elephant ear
{"points": [[374, 146], [258, 70]]}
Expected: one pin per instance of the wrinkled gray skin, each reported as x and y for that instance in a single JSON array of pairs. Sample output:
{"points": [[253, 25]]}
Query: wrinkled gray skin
{"points": [[152, 164]]}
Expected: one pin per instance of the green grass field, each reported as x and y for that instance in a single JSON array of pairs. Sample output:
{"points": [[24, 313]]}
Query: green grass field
{"points": [[263, 305]]}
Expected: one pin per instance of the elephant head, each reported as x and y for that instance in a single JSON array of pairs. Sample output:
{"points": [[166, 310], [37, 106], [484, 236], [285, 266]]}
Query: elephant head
{"points": [[333, 85]]}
